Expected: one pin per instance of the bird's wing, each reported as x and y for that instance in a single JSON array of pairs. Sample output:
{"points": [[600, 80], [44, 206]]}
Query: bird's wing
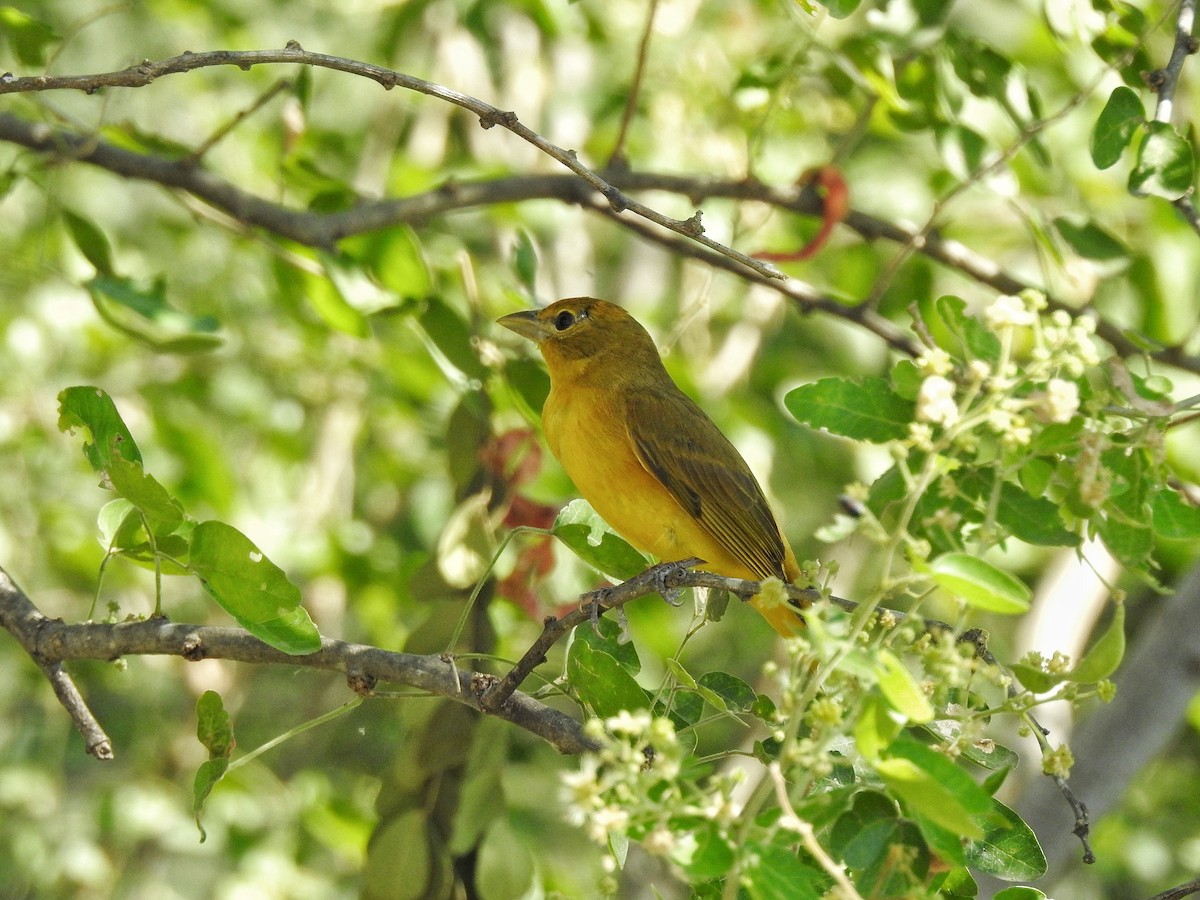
{"points": [[704, 472]]}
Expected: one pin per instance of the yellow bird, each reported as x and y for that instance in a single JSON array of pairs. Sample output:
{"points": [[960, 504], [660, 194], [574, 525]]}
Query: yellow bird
{"points": [[644, 455]]}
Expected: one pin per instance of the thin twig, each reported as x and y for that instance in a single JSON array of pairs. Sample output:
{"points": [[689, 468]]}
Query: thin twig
{"points": [[1178, 893], [617, 158], [242, 114], [1165, 80], [489, 116], [19, 616], [793, 822]]}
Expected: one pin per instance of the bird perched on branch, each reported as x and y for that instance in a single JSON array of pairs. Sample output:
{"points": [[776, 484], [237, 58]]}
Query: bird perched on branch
{"points": [[645, 456]]}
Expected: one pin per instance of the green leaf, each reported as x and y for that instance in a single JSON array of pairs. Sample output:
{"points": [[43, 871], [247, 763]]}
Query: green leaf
{"points": [[1034, 520], [900, 689], [1106, 654], [1165, 164], [399, 263], [251, 588], [776, 873], [452, 335], [841, 9], [589, 537], [736, 693], [1174, 517], [876, 728], [162, 511], [917, 789], [29, 37], [525, 261], [1034, 679], [207, 775], [154, 321], [971, 337], [713, 856], [93, 409], [332, 306], [606, 638], [935, 787], [91, 241], [1008, 848], [962, 149], [1089, 240], [602, 683], [1022, 892], [866, 410], [214, 729], [980, 584], [505, 867], [1121, 116]]}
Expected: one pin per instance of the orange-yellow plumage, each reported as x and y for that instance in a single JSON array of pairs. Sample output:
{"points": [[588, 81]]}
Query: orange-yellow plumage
{"points": [[646, 457]]}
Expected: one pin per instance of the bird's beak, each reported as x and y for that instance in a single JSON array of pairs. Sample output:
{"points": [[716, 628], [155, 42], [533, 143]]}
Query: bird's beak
{"points": [[525, 323]]}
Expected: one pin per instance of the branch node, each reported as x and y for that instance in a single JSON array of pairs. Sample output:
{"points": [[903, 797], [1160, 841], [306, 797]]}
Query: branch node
{"points": [[693, 226], [293, 45], [482, 684], [362, 683], [491, 118], [193, 648]]}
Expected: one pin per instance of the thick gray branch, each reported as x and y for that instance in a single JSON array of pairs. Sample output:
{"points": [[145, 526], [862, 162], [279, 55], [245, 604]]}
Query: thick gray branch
{"points": [[50, 642]]}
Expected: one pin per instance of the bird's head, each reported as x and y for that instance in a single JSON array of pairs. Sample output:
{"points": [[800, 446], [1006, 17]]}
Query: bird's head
{"points": [[581, 330]]}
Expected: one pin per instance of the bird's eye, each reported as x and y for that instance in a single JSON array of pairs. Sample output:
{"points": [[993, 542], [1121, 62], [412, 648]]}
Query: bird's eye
{"points": [[564, 320]]}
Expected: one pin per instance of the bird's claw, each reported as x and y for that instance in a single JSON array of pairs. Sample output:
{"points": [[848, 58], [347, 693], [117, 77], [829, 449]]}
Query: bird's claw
{"points": [[663, 574]]}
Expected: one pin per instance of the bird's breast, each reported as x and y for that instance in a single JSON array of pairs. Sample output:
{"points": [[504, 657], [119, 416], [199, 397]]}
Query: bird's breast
{"points": [[587, 431]]}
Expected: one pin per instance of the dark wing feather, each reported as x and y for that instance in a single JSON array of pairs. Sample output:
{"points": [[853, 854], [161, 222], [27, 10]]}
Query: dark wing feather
{"points": [[706, 475]]}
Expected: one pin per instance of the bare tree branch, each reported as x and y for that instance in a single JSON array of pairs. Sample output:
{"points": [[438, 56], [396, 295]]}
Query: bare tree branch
{"points": [[326, 229], [1165, 80], [50, 642], [489, 116], [20, 617]]}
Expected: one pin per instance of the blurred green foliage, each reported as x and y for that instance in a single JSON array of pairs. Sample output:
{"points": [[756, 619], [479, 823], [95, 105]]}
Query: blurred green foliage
{"points": [[339, 407]]}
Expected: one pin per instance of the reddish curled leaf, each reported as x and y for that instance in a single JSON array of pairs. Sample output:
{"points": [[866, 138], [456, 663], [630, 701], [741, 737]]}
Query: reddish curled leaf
{"points": [[521, 586], [513, 457], [835, 203], [523, 511]]}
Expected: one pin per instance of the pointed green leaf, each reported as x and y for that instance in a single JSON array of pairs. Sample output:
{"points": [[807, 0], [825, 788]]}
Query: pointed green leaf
{"points": [[900, 689], [866, 410], [1174, 517], [1121, 116], [1106, 654], [590, 538], [980, 584], [971, 337], [1008, 848], [1035, 679], [608, 637], [736, 693], [162, 511], [93, 409], [91, 241], [876, 728], [1166, 165], [925, 794], [251, 588], [1089, 240], [28, 37], [603, 684]]}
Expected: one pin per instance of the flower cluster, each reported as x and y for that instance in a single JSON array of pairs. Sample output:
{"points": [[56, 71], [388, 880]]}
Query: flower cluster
{"points": [[996, 396], [631, 787]]}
